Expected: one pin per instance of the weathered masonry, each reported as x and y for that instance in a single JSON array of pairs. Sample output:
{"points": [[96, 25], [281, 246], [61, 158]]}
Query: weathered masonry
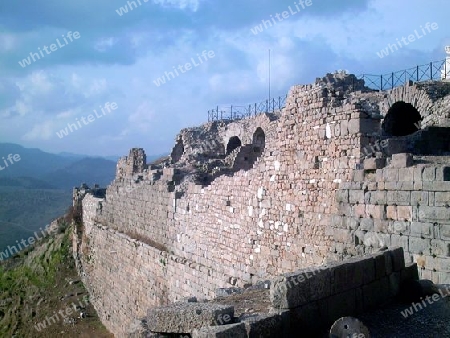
{"points": [[341, 171]]}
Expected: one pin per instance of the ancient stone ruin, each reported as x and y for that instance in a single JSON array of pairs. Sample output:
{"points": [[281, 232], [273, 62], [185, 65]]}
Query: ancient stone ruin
{"points": [[342, 171]]}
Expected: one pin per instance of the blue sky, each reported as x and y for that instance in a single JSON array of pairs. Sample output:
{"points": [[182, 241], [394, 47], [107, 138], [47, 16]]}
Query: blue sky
{"points": [[117, 58]]}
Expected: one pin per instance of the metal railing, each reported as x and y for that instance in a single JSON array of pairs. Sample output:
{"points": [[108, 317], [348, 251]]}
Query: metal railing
{"points": [[431, 71], [241, 112], [435, 70]]}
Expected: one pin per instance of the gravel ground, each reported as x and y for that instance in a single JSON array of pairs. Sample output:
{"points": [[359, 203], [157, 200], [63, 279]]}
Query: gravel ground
{"points": [[433, 321]]}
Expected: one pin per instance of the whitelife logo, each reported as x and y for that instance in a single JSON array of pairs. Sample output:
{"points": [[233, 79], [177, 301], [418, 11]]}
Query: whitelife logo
{"points": [[25, 243], [11, 158], [280, 17], [129, 6], [205, 56], [71, 127], [53, 47]]}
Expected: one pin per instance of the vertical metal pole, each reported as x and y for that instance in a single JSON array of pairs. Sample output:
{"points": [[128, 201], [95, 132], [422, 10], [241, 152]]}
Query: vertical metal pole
{"points": [[269, 77], [392, 81], [417, 75], [431, 70], [381, 80]]}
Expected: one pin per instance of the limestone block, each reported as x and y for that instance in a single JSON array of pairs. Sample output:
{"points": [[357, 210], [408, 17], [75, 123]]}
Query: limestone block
{"points": [[185, 317], [398, 197], [401, 160], [356, 196], [390, 175], [436, 186], [434, 214], [419, 198], [420, 229], [442, 199], [444, 232], [374, 163], [419, 245], [429, 174]]}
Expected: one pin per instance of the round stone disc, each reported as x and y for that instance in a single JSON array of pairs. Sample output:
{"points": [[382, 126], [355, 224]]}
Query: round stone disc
{"points": [[349, 327]]}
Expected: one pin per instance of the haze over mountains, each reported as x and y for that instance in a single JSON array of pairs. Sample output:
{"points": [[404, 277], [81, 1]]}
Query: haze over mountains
{"points": [[38, 188]]}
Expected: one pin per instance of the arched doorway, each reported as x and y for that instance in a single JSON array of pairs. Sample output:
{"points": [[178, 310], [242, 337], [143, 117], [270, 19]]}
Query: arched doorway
{"points": [[259, 140], [233, 143], [401, 119]]}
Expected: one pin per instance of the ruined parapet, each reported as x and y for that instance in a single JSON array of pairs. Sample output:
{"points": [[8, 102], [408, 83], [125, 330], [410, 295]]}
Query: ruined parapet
{"points": [[198, 144], [134, 163]]}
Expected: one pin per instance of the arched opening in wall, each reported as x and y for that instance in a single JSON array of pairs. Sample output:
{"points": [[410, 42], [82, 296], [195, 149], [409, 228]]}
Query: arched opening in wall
{"points": [[401, 119], [177, 151], [259, 141], [233, 143]]}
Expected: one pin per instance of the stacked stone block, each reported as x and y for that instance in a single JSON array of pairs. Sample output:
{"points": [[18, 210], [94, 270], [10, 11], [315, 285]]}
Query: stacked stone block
{"points": [[400, 205], [316, 297]]}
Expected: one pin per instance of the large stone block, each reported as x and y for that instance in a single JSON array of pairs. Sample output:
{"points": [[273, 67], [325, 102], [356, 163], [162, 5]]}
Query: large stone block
{"points": [[419, 229], [185, 317], [356, 196], [263, 325], [225, 331], [442, 199], [434, 214], [402, 160], [398, 259], [289, 291], [419, 245], [374, 163], [399, 197]]}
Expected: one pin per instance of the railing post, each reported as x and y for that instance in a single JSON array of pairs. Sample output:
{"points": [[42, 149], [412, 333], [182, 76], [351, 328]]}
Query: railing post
{"points": [[431, 70], [392, 81], [381, 80]]}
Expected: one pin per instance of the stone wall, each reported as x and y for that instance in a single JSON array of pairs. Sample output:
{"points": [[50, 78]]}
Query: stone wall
{"points": [[400, 205], [266, 207]]}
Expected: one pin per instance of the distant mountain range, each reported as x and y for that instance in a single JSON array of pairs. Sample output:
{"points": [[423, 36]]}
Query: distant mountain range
{"points": [[62, 171], [38, 188]]}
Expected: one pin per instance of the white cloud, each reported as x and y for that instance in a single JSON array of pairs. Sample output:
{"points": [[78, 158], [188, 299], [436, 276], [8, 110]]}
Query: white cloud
{"points": [[143, 117], [40, 131]]}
